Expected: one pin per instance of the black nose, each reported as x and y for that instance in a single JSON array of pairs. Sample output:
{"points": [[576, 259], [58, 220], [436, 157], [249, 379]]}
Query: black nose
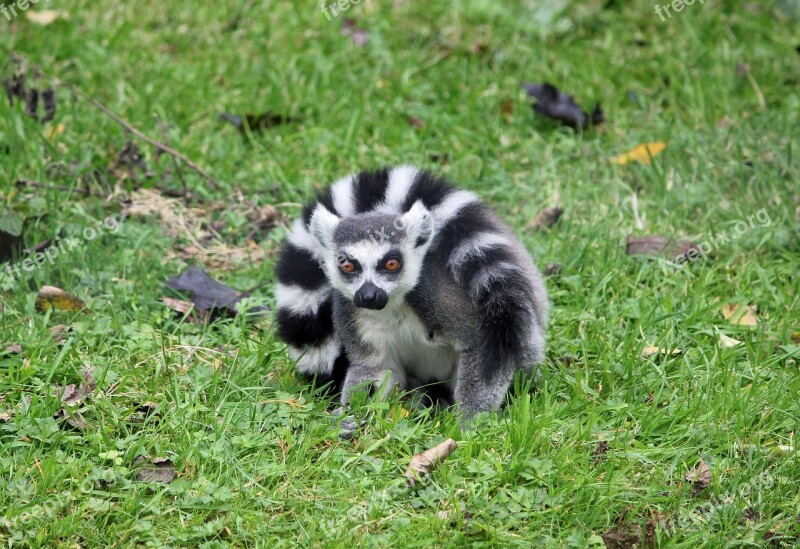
{"points": [[369, 296]]}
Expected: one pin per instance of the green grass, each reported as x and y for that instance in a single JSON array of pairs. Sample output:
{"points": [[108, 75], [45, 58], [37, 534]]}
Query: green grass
{"points": [[256, 452]]}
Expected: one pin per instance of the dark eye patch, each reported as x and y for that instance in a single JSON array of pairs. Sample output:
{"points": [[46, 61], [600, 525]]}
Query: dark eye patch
{"points": [[392, 254]]}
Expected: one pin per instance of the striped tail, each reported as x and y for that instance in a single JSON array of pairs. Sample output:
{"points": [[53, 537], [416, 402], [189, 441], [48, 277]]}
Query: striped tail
{"points": [[305, 317]]}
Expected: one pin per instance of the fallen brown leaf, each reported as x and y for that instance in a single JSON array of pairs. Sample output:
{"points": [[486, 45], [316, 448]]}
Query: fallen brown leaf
{"points": [[743, 316], [75, 394], [658, 245], [700, 477], [623, 536], [546, 218], [5, 416], [155, 470], [600, 451], [552, 269], [50, 297], [13, 349], [422, 464], [60, 333]]}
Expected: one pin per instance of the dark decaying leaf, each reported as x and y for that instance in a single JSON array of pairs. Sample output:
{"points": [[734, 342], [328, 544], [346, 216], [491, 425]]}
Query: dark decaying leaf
{"points": [[660, 245], [10, 235], [555, 104], [600, 451], [749, 515], [360, 37], [155, 470], [208, 294], [546, 218], [700, 477], [256, 122], [73, 394], [130, 157], [72, 397], [623, 536], [60, 333], [38, 103], [552, 269], [13, 349]]}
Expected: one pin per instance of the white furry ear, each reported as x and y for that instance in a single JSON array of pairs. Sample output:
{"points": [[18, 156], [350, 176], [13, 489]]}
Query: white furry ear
{"points": [[322, 226], [418, 224]]}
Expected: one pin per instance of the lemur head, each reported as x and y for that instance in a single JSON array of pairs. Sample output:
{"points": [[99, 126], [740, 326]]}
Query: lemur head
{"points": [[374, 258]]}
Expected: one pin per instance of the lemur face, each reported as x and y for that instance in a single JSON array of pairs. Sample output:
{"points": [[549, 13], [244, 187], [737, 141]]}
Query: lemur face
{"points": [[374, 258]]}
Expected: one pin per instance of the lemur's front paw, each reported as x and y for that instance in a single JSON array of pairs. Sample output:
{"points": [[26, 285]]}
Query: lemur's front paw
{"points": [[349, 424]]}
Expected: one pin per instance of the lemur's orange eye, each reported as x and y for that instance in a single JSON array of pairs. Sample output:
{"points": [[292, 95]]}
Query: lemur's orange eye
{"points": [[347, 266], [392, 265]]}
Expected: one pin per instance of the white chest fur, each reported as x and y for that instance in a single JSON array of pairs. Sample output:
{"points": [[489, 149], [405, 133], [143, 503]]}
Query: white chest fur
{"points": [[404, 344]]}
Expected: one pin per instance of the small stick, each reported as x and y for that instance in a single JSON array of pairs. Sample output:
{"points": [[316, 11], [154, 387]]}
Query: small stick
{"points": [[125, 124], [38, 185]]}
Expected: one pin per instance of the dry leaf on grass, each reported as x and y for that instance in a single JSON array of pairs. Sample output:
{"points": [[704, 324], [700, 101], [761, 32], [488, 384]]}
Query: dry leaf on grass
{"points": [[5, 416], [45, 17], [13, 349], [553, 103], [422, 464], [642, 153], [73, 396], [600, 451], [728, 342], [700, 477], [743, 316], [660, 245], [552, 269], [546, 218], [60, 333], [209, 294], [623, 536], [155, 470], [651, 350], [50, 297]]}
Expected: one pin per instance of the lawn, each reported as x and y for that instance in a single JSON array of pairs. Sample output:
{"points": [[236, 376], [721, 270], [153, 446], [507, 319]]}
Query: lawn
{"points": [[199, 433]]}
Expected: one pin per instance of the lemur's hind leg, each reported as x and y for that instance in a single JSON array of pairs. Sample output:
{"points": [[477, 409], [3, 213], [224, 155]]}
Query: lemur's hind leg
{"points": [[474, 390]]}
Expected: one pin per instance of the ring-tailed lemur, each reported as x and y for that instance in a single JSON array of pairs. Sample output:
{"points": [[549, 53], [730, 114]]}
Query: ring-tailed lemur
{"points": [[396, 276]]}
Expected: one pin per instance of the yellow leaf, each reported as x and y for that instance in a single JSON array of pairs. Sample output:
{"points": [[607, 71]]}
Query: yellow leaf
{"points": [[45, 17], [728, 342], [51, 297], [641, 153], [651, 350], [743, 316], [50, 133]]}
